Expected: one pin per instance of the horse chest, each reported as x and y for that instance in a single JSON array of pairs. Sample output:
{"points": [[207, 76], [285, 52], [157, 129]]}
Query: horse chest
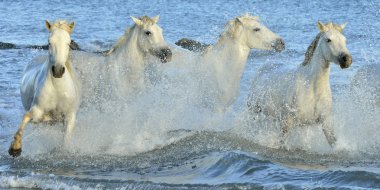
{"points": [[57, 96], [311, 104]]}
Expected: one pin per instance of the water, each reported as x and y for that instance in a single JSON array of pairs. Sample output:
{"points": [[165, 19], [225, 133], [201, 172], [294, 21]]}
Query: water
{"points": [[161, 144]]}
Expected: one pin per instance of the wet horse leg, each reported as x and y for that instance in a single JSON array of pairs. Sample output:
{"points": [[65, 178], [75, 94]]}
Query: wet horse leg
{"points": [[330, 136], [286, 123], [15, 148], [70, 124], [328, 131]]}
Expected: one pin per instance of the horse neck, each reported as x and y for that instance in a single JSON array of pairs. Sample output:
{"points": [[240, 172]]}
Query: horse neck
{"points": [[230, 56], [129, 51], [317, 71]]}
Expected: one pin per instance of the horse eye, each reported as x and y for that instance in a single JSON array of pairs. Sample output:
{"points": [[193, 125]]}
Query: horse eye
{"points": [[328, 40], [256, 29], [148, 33]]}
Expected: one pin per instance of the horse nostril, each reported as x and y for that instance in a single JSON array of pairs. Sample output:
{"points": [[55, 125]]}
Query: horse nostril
{"points": [[57, 71], [165, 55], [345, 60], [344, 57], [280, 41], [166, 52], [279, 45]]}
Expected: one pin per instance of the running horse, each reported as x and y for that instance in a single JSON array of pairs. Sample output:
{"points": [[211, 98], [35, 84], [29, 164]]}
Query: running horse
{"points": [[49, 87], [302, 96]]}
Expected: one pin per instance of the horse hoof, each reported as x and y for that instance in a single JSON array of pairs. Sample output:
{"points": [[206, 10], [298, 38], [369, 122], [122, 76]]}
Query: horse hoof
{"points": [[14, 152]]}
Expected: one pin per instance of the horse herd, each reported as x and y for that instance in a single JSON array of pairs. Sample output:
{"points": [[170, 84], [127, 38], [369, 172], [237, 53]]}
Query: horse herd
{"points": [[51, 87]]}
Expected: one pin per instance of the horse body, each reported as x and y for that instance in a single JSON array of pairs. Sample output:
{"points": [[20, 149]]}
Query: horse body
{"points": [[302, 96], [304, 92], [49, 89], [227, 58], [41, 92]]}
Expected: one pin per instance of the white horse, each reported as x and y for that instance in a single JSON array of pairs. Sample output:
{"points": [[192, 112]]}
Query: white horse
{"points": [[49, 89], [128, 59], [302, 96], [227, 58]]}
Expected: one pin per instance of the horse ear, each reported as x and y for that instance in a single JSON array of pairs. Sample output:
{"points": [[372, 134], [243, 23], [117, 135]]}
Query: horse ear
{"points": [[257, 18], [137, 21], [321, 27], [156, 18], [71, 26], [48, 25], [238, 26], [342, 26], [238, 21]]}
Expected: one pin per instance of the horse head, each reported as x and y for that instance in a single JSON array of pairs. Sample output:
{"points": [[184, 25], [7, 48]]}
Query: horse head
{"points": [[59, 45], [255, 35], [333, 44], [150, 38]]}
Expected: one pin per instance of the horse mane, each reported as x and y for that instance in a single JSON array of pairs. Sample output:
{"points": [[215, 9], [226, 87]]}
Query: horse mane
{"points": [[123, 39], [310, 50], [62, 24], [69, 68]]}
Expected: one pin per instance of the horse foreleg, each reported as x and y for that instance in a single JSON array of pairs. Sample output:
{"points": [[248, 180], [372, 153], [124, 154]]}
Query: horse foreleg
{"points": [[285, 124], [284, 133], [15, 148], [70, 124], [330, 136], [327, 130]]}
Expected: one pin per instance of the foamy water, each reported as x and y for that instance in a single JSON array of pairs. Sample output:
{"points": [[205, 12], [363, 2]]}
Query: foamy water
{"points": [[165, 137]]}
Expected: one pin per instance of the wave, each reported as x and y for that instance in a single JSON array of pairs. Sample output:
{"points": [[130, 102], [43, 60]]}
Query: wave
{"points": [[210, 170]]}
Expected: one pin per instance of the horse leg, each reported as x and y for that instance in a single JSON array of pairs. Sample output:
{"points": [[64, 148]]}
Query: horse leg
{"points": [[329, 133], [15, 148], [284, 133], [330, 136], [285, 124], [327, 130], [70, 124]]}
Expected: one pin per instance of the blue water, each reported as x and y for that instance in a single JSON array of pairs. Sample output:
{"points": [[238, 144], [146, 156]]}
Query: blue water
{"points": [[227, 152]]}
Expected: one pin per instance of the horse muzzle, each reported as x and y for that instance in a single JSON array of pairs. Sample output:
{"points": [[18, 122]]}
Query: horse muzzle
{"points": [[345, 60], [58, 71], [165, 54], [278, 45]]}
